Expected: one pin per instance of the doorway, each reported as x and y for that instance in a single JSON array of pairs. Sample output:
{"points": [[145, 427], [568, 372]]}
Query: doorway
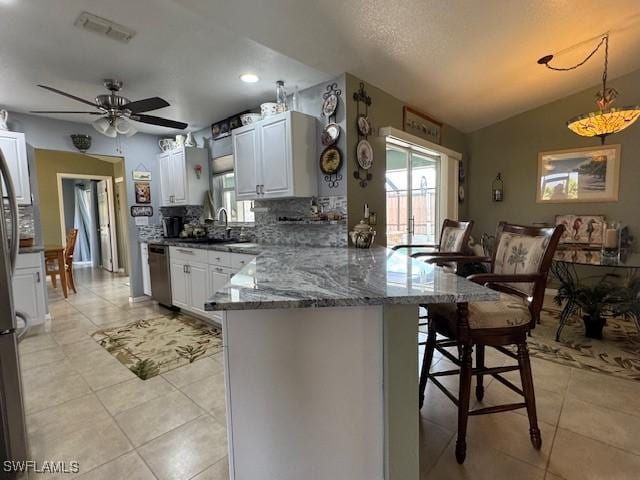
{"points": [[411, 186], [93, 216]]}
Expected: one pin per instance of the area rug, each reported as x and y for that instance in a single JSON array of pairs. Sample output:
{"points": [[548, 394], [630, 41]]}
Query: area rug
{"points": [[618, 354], [150, 347]]}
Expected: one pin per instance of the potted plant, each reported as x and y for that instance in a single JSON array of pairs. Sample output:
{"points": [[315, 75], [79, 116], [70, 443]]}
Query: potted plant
{"points": [[596, 301]]}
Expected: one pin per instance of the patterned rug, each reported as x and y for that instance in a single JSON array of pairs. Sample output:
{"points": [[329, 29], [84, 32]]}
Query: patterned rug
{"points": [[150, 347], [618, 354]]}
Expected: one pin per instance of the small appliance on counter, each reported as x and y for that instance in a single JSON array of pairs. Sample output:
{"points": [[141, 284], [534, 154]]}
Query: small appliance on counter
{"points": [[171, 227]]}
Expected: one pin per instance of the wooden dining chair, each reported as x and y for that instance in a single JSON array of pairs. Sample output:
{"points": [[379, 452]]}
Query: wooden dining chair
{"points": [[454, 236], [520, 264], [68, 258]]}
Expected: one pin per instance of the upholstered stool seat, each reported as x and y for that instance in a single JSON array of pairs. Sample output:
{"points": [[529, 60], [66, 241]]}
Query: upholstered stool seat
{"points": [[509, 311]]}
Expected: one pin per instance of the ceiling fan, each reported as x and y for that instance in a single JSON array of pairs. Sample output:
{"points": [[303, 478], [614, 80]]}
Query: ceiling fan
{"points": [[116, 111]]}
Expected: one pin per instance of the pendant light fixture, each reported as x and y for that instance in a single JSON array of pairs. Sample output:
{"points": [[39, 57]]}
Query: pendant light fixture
{"points": [[606, 120]]}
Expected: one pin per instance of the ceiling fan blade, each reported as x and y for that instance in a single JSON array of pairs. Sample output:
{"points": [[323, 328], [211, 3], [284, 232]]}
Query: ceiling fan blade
{"points": [[68, 111], [60, 92], [146, 105], [162, 122]]}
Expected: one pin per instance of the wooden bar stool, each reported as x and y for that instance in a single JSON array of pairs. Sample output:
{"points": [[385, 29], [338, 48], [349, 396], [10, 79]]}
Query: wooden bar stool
{"points": [[519, 267]]}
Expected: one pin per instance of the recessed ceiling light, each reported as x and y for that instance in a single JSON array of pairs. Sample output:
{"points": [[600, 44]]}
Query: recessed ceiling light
{"points": [[249, 78]]}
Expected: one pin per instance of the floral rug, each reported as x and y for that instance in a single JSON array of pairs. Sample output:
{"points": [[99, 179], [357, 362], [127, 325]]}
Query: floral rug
{"points": [[618, 354], [150, 347]]}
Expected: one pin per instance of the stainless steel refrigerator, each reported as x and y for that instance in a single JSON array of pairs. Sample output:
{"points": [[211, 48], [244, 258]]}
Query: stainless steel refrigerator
{"points": [[13, 436]]}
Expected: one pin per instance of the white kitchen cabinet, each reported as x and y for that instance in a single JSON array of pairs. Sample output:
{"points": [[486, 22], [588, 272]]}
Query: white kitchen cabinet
{"points": [[197, 274], [29, 287], [13, 146], [146, 275], [180, 182], [198, 287], [218, 278], [276, 157], [179, 284], [245, 148]]}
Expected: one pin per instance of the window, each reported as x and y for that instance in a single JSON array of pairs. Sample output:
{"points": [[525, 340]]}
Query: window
{"points": [[224, 195], [412, 191]]}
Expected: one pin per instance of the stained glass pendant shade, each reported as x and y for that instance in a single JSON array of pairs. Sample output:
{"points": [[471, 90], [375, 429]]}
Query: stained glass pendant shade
{"points": [[607, 120]]}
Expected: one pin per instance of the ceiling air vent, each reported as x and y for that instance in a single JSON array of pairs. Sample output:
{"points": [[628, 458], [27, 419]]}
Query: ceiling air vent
{"points": [[102, 26]]}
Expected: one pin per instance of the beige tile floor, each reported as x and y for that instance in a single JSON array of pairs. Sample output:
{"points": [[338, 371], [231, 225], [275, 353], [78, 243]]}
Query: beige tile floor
{"points": [[83, 405]]}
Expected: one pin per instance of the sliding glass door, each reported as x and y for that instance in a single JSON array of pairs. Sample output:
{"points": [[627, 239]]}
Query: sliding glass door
{"points": [[412, 196]]}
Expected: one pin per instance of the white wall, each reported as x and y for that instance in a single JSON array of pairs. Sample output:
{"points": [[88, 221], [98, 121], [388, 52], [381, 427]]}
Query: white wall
{"points": [[52, 134]]}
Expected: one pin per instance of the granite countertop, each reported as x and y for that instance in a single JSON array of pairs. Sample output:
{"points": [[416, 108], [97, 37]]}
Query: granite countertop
{"points": [[31, 249], [233, 246], [307, 277]]}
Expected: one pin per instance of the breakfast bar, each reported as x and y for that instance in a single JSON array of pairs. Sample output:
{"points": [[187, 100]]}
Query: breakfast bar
{"points": [[321, 361]]}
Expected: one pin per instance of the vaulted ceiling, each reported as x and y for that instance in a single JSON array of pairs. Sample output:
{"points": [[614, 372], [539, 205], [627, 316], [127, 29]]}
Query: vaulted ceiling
{"points": [[467, 63]]}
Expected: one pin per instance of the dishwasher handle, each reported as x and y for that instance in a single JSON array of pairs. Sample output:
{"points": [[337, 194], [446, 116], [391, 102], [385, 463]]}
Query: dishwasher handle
{"points": [[157, 249]]}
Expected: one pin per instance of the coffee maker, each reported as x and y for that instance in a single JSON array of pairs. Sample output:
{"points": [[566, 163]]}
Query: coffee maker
{"points": [[171, 227]]}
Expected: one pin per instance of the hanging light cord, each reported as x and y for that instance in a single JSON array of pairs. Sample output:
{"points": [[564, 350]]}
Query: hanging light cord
{"points": [[604, 40]]}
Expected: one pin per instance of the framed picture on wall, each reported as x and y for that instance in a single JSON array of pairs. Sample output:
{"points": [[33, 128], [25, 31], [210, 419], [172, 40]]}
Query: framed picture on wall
{"points": [[143, 192], [421, 125], [590, 174]]}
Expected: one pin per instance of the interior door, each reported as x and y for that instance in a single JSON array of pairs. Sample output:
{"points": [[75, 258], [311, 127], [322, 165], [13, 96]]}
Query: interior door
{"points": [[104, 226], [245, 164], [275, 156]]}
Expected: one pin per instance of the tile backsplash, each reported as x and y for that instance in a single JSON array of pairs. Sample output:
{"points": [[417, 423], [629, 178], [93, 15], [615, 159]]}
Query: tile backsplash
{"points": [[26, 222], [267, 229]]}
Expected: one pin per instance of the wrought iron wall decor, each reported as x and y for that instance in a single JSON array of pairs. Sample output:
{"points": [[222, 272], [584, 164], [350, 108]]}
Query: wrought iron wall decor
{"points": [[364, 151], [81, 142], [331, 157]]}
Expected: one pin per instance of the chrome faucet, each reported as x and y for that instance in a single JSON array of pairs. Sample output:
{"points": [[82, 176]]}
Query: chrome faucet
{"points": [[226, 220]]}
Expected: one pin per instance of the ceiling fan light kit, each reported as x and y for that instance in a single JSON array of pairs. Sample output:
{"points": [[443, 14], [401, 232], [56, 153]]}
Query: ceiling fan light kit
{"points": [[117, 111], [606, 120]]}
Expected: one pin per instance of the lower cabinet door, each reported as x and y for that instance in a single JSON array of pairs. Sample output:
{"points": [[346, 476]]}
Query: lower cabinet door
{"points": [[198, 288], [28, 293], [146, 276], [218, 278], [179, 285]]}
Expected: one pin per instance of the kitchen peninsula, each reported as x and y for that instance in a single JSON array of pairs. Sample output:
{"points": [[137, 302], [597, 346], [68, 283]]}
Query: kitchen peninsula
{"points": [[321, 361]]}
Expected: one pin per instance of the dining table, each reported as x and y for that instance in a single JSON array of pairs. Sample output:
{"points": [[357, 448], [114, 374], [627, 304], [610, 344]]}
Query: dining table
{"points": [[624, 268]]}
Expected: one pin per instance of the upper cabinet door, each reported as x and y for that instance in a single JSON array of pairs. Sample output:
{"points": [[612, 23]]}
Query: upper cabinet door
{"points": [[246, 164], [275, 155], [13, 147], [165, 179], [179, 176]]}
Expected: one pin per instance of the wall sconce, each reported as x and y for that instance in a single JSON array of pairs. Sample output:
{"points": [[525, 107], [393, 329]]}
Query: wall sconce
{"points": [[81, 142], [497, 189]]}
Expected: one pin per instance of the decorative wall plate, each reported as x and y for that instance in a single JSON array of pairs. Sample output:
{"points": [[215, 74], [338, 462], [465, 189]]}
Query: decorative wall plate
{"points": [[364, 154], [330, 134], [330, 160], [330, 105], [364, 125]]}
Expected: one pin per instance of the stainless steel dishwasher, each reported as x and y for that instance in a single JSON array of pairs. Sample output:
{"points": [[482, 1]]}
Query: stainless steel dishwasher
{"points": [[160, 273]]}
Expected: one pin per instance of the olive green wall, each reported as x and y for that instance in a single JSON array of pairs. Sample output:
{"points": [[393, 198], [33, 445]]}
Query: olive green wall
{"points": [[385, 111], [48, 164], [511, 147]]}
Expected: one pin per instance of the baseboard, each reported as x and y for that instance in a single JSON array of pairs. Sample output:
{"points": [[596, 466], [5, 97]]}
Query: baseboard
{"points": [[143, 298]]}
